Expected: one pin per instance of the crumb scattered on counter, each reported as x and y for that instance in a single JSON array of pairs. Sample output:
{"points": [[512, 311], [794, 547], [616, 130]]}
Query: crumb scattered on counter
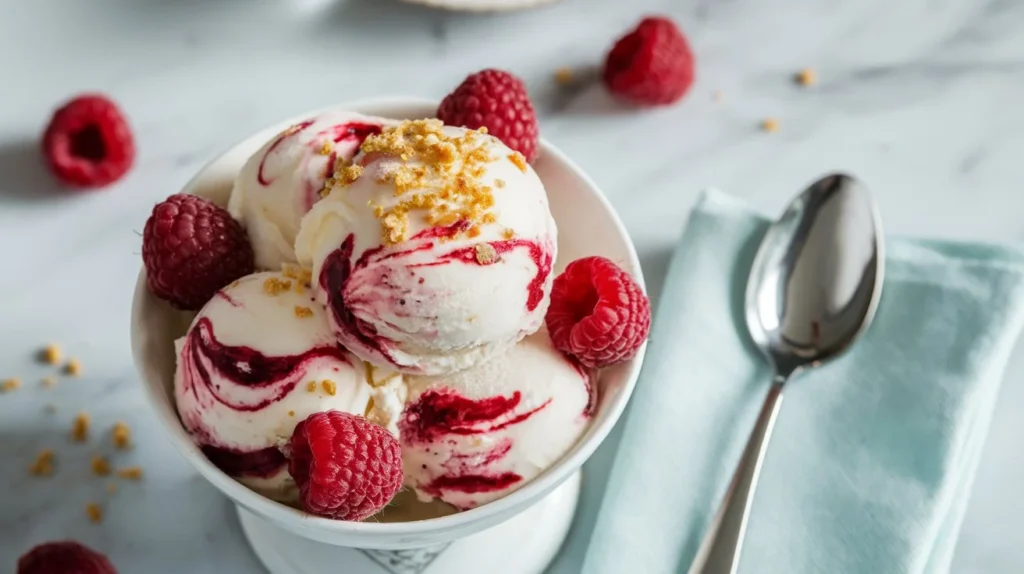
{"points": [[94, 512], [563, 76], [49, 382], [100, 466], [73, 367], [80, 428], [806, 77], [770, 125], [122, 435], [11, 384], [43, 464], [51, 354], [130, 472]]}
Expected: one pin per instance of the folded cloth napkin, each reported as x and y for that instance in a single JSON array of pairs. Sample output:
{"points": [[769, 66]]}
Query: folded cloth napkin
{"points": [[873, 455]]}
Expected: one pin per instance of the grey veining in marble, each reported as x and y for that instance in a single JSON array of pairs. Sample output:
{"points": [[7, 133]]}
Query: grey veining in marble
{"points": [[920, 98]]}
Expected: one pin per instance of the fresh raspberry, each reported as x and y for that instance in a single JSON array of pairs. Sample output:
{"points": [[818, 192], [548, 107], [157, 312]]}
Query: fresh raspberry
{"points": [[65, 557], [88, 142], [498, 101], [191, 249], [346, 467], [650, 66], [598, 314]]}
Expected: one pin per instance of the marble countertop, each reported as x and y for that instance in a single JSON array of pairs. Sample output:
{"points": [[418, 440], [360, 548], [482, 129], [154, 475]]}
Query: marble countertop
{"points": [[920, 98]]}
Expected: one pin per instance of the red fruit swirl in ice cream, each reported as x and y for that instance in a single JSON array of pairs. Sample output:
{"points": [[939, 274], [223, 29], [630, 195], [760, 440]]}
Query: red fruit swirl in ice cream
{"points": [[242, 379], [344, 282]]}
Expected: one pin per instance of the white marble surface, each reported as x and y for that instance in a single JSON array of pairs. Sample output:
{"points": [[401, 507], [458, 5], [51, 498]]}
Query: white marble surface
{"points": [[921, 98]]}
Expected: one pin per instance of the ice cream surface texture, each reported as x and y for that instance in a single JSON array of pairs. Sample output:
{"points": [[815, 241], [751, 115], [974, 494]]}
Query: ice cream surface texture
{"points": [[475, 436], [281, 182], [257, 359], [433, 250]]}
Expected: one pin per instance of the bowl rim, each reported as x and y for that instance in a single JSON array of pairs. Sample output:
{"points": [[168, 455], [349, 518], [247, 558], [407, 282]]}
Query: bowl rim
{"points": [[508, 505]]}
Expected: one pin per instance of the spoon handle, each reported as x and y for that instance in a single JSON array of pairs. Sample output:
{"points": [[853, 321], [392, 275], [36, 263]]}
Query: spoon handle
{"points": [[720, 551]]}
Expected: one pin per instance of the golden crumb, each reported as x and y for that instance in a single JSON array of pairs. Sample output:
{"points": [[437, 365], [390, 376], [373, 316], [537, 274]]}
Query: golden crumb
{"points": [[485, 253], [43, 464], [275, 286], [303, 312], [770, 125], [112, 487], [80, 428], [94, 512], [435, 173], [130, 472], [563, 76], [49, 382], [508, 233], [499, 183], [297, 272], [100, 466], [369, 408], [291, 413], [326, 148], [311, 386], [330, 387], [51, 354], [11, 384], [122, 435], [73, 367], [806, 77], [519, 161]]}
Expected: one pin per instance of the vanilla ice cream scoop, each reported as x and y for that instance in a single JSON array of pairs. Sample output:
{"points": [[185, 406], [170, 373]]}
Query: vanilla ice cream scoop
{"points": [[282, 181], [475, 436], [257, 359], [433, 251]]}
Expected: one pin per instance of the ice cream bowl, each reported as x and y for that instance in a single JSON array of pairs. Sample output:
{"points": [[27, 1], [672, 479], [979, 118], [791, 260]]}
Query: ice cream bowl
{"points": [[542, 508]]}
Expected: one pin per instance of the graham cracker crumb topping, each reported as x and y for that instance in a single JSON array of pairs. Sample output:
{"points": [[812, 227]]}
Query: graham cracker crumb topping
{"points": [[519, 161], [291, 413], [130, 472], [51, 354], [11, 384], [563, 76], [80, 428], [274, 286], [94, 512], [432, 172], [508, 233], [43, 464], [303, 312], [806, 77], [122, 435], [326, 148], [330, 387], [485, 253], [100, 466], [311, 386], [770, 125], [298, 273]]}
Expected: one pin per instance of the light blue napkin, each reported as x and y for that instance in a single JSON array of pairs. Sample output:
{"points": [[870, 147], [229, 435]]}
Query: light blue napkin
{"points": [[873, 456]]}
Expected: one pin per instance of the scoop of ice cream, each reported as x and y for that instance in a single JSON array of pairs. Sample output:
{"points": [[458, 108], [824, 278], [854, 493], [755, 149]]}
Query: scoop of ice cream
{"points": [[472, 437], [257, 359], [433, 250], [282, 181]]}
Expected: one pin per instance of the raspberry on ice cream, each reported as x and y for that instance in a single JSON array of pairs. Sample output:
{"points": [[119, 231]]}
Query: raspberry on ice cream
{"points": [[433, 251], [282, 181], [346, 467], [498, 101], [598, 314], [477, 435], [88, 142], [259, 358], [650, 66], [191, 248], [64, 557]]}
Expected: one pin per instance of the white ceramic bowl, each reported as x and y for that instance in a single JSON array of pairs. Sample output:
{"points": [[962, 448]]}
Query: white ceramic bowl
{"points": [[587, 225]]}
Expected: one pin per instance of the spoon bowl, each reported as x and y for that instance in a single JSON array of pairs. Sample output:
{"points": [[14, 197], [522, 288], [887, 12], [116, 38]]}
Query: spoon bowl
{"points": [[816, 279]]}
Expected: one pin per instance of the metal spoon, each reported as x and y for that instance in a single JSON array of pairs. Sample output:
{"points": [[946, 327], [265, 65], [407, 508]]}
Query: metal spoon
{"points": [[812, 291]]}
